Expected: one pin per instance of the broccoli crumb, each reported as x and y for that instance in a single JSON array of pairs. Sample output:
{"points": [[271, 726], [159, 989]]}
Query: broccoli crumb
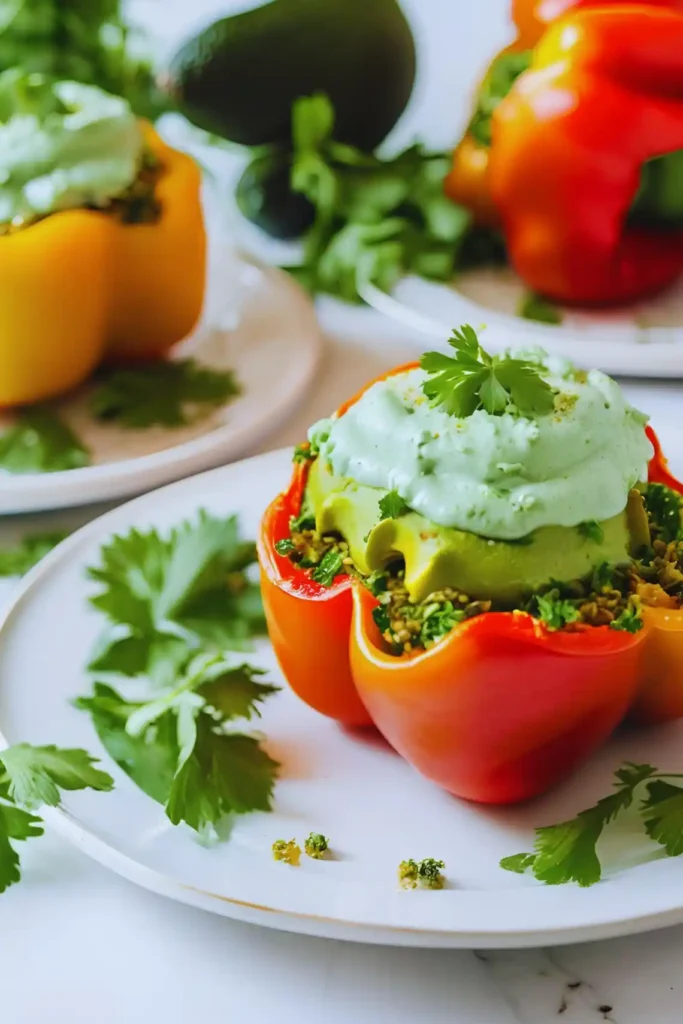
{"points": [[287, 851], [425, 875], [316, 845]]}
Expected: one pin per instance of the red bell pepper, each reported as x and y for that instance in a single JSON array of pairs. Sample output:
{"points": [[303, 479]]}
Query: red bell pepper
{"points": [[602, 99], [499, 710]]}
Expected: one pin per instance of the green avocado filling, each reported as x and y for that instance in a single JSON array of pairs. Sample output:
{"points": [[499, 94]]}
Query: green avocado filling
{"points": [[428, 579]]}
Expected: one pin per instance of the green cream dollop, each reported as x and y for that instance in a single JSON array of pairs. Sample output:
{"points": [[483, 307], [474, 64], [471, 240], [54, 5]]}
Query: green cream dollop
{"points": [[62, 146], [499, 476]]}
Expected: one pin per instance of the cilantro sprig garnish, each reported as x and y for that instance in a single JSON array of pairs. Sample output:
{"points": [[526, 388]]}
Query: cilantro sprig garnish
{"points": [[40, 442], [170, 697], [167, 394], [32, 777], [180, 746], [567, 852], [472, 379]]}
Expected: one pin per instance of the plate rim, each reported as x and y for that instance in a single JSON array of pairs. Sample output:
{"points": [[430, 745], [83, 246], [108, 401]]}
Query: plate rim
{"points": [[413, 934], [42, 492], [653, 347]]}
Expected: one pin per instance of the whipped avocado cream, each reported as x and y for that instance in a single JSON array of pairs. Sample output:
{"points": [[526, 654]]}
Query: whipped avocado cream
{"points": [[62, 146], [499, 476]]}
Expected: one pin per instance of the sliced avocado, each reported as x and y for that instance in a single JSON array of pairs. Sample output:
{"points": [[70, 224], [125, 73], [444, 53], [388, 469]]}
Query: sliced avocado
{"points": [[240, 76], [437, 556]]}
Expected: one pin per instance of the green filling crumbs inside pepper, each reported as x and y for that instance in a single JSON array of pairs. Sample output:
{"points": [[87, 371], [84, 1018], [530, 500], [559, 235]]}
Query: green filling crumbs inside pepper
{"points": [[610, 596]]}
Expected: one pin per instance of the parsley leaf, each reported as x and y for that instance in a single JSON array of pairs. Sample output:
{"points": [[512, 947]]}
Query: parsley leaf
{"points": [[31, 777], [665, 510], [28, 552], [170, 394], [662, 812], [556, 612], [34, 775], [39, 442], [472, 379], [329, 567], [162, 596], [535, 307], [392, 506], [375, 219], [285, 546], [176, 746], [591, 530], [567, 852]]}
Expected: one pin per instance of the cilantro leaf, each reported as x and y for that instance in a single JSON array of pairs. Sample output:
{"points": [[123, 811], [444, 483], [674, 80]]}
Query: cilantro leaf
{"points": [[555, 612], [30, 777], [665, 510], [591, 530], [392, 506], [175, 747], [500, 78], [567, 852], [14, 824], [305, 452], [535, 307], [225, 773], [39, 442], [285, 546], [375, 219], [36, 774], [28, 552], [662, 812], [194, 586], [472, 379], [329, 567], [170, 394]]}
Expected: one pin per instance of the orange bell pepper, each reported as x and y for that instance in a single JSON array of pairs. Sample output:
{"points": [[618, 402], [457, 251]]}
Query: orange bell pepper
{"points": [[80, 286], [660, 694], [564, 172], [501, 708]]}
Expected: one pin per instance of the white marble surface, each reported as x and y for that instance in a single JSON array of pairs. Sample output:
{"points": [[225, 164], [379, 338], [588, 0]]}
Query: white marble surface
{"points": [[80, 946]]}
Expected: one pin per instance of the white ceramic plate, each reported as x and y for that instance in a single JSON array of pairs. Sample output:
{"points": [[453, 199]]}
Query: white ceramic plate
{"points": [[260, 324], [645, 340], [356, 790]]}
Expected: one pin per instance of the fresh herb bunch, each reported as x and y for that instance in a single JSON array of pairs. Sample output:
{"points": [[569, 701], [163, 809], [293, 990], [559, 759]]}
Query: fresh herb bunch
{"points": [[472, 379], [165, 393], [567, 852], [33, 777], [40, 442], [88, 41], [375, 219]]}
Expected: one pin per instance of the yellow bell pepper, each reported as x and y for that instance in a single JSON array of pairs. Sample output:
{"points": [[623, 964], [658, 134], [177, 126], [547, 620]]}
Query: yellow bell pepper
{"points": [[81, 287]]}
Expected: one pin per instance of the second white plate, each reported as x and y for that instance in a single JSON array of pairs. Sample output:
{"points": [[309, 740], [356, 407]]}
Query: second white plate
{"points": [[645, 340], [261, 325]]}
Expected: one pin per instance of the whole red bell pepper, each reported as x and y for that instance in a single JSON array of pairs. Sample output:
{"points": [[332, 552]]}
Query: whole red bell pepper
{"points": [[602, 99]]}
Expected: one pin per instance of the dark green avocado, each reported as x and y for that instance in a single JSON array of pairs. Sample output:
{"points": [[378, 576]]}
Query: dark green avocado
{"points": [[240, 76], [264, 197]]}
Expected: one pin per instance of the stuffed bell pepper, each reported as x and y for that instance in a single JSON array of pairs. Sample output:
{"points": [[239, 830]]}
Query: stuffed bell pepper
{"points": [[469, 556], [102, 244], [575, 148]]}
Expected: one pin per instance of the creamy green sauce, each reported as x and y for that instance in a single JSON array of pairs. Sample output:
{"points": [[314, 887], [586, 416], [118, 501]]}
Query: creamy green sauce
{"points": [[62, 146], [497, 476]]}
